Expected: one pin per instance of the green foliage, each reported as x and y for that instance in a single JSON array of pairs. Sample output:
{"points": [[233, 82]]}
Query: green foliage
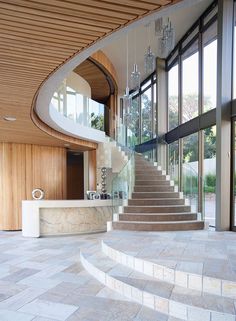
{"points": [[190, 184], [97, 121]]}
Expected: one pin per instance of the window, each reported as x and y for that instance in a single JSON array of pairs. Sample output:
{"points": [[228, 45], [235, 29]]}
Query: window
{"points": [[209, 174], [133, 123], [174, 161], [146, 111], [190, 169], [190, 78], [173, 96], [209, 67]]}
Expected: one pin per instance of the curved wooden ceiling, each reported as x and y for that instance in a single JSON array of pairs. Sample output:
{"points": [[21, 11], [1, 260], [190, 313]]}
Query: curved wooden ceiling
{"points": [[37, 36]]}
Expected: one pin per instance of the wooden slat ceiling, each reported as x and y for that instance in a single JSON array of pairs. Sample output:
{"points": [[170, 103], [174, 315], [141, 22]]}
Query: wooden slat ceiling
{"points": [[100, 89], [37, 36]]}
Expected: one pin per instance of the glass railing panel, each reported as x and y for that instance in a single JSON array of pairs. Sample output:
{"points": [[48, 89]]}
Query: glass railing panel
{"points": [[190, 185], [79, 108], [123, 184]]}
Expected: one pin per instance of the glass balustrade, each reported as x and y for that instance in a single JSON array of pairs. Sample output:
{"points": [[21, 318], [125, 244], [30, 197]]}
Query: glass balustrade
{"points": [[80, 109]]}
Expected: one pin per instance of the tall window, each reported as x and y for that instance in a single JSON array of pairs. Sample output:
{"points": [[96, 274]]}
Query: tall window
{"points": [[133, 123], [190, 76], [174, 161], [173, 96], [146, 110], [209, 67], [190, 169]]}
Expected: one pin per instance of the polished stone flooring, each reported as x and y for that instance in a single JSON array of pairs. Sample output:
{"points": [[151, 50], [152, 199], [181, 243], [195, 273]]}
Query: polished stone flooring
{"points": [[43, 279]]}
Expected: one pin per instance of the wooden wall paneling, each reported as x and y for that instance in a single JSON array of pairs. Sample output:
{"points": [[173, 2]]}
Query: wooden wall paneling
{"points": [[92, 168], [24, 167]]}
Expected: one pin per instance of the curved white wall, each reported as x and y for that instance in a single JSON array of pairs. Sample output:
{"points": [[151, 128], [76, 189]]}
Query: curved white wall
{"points": [[79, 84]]}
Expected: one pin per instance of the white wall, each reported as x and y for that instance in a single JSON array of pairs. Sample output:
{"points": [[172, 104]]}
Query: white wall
{"points": [[79, 84]]}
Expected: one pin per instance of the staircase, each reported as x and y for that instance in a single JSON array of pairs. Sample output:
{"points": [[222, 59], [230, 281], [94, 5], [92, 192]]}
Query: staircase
{"points": [[155, 204]]}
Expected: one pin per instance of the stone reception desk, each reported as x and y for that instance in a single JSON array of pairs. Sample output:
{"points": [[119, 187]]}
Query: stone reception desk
{"points": [[41, 218]]}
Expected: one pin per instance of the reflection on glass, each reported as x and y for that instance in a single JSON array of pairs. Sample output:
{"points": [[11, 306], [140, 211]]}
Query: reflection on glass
{"points": [[146, 110], [190, 169], [209, 174], [190, 85], [209, 67], [79, 108], [133, 123], [173, 96], [174, 161]]}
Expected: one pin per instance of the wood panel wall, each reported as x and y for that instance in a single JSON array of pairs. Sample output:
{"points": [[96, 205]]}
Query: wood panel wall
{"points": [[92, 170], [24, 167]]}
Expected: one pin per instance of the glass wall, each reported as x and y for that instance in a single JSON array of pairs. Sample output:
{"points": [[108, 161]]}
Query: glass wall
{"points": [[173, 96], [190, 74], [174, 161], [209, 174], [209, 67], [142, 119], [190, 170]]}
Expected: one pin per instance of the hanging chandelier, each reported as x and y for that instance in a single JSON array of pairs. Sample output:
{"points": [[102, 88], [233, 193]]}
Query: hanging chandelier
{"points": [[135, 74], [165, 36], [149, 58], [127, 100]]}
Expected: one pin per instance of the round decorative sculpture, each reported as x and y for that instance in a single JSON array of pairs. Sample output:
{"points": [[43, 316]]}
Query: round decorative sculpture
{"points": [[103, 177], [38, 194]]}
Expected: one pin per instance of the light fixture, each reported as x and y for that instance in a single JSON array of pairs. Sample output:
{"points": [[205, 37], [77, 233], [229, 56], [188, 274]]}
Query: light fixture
{"points": [[9, 118], [149, 58], [135, 75], [166, 36], [127, 100]]}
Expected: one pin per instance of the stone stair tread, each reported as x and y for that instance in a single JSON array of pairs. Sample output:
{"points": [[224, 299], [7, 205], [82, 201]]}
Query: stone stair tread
{"points": [[158, 206], [158, 288], [154, 214], [161, 222]]}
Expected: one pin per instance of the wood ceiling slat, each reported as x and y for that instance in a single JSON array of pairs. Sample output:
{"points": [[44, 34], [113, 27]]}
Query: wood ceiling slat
{"points": [[71, 9], [13, 62], [114, 7], [31, 34], [27, 6], [29, 40], [135, 3], [29, 52], [30, 57], [18, 69], [29, 47], [59, 18], [48, 27]]}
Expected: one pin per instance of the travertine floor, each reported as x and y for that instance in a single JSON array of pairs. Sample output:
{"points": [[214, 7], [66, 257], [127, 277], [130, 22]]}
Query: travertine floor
{"points": [[208, 253], [43, 280]]}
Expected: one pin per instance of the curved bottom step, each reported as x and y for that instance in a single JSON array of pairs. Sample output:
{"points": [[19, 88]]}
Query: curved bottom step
{"points": [[173, 301], [158, 226]]}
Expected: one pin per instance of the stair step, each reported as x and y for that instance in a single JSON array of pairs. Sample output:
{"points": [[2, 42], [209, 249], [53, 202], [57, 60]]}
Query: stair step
{"points": [[164, 297], [151, 195], [152, 183], [144, 217], [161, 178], [160, 226], [156, 201], [148, 171], [157, 209], [148, 177], [155, 188]]}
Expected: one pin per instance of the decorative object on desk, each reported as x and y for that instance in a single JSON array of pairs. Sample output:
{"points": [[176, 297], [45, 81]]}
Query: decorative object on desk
{"points": [[103, 177], [96, 196], [90, 194], [38, 194]]}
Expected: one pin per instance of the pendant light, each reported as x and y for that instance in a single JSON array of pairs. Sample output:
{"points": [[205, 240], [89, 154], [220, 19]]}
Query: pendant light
{"points": [[127, 100], [149, 58], [135, 75]]}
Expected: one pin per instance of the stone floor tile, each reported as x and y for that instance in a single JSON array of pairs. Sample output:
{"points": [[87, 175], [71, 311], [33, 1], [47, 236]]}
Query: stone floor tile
{"points": [[146, 314], [20, 275], [48, 309], [6, 315]]}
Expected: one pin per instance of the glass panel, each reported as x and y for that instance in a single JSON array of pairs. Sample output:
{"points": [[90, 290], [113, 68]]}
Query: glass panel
{"points": [[234, 64], [146, 110], [210, 15], [190, 84], [174, 162], [209, 68], [70, 106], [133, 124], [173, 96], [154, 111], [190, 37], [209, 174], [146, 84], [190, 169]]}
